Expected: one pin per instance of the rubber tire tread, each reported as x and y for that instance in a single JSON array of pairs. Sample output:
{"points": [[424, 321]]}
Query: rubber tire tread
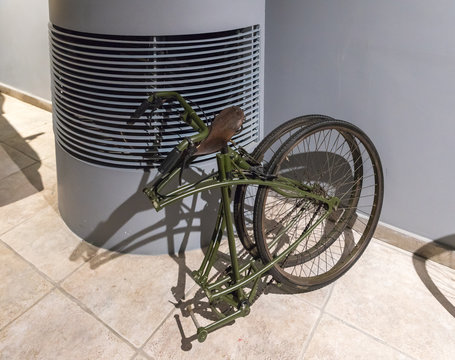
{"points": [[258, 154], [352, 259]]}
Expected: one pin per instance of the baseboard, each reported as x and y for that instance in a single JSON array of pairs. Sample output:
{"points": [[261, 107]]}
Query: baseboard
{"points": [[416, 244], [26, 97]]}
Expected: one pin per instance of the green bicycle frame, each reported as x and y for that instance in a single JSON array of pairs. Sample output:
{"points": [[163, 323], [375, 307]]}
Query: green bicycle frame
{"points": [[233, 170]]}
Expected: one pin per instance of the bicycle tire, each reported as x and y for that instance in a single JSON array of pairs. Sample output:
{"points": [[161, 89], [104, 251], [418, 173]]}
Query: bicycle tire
{"points": [[335, 158], [245, 195]]}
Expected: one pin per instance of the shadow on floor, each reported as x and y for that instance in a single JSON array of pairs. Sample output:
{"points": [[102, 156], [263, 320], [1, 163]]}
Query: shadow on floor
{"points": [[31, 172], [180, 221], [204, 311], [420, 258]]}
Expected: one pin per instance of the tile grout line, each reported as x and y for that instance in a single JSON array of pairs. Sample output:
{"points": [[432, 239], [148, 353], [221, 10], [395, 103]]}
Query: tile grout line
{"points": [[28, 309], [142, 353], [40, 273], [56, 286], [164, 320], [24, 168], [24, 221], [85, 262], [307, 342], [393, 247], [36, 159], [87, 310], [319, 307], [19, 151], [167, 317], [371, 336]]}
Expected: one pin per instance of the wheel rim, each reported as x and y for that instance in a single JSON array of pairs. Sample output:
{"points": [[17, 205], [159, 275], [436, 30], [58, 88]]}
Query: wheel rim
{"points": [[246, 194], [342, 162]]}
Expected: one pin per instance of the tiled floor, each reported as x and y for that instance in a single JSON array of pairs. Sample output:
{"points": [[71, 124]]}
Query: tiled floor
{"points": [[61, 298]]}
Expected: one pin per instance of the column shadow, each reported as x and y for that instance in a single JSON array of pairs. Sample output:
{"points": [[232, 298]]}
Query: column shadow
{"points": [[7, 131], [419, 259]]}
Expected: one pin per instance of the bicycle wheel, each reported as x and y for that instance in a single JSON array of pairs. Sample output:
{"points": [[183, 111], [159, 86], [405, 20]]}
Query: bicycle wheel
{"points": [[333, 158], [245, 195]]}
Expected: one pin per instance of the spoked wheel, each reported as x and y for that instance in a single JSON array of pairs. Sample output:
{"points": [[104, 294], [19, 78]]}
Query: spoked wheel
{"points": [[333, 159], [245, 195]]}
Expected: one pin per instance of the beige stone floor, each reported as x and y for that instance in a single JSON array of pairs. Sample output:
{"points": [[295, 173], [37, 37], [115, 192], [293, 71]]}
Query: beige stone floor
{"points": [[61, 298]]}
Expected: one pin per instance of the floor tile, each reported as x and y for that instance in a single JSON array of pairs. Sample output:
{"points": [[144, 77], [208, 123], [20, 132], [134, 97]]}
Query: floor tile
{"points": [[443, 278], [46, 242], [38, 145], [12, 160], [335, 340], [44, 174], [435, 251], [133, 293], [20, 286], [57, 328], [439, 280], [20, 198], [141, 357], [317, 297], [276, 328], [389, 305], [383, 296], [12, 104], [20, 119]]}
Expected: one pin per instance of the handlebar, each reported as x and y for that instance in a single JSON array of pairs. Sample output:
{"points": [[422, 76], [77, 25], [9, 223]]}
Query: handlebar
{"points": [[189, 116], [156, 100], [140, 110]]}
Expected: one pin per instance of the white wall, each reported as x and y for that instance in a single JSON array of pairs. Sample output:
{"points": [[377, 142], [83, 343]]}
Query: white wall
{"points": [[389, 67], [24, 59]]}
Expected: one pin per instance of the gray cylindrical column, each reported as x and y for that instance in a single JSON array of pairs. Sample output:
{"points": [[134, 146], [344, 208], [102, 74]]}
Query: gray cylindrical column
{"points": [[106, 57]]}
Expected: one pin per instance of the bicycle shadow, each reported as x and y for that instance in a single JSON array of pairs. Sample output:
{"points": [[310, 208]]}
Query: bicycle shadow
{"points": [[267, 285], [179, 221], [437, 248], [171, 228], [201, 306], [199, 302], [170, 224], [31, 173]]}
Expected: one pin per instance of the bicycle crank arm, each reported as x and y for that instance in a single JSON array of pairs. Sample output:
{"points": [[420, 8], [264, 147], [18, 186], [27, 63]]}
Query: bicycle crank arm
{"points": [[203, 331]]}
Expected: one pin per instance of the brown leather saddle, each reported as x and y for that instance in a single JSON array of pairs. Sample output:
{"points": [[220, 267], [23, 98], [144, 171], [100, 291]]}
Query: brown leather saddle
{"points": [[228, 122]]}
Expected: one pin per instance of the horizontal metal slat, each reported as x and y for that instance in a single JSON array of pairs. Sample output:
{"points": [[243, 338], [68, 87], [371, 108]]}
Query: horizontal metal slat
{"points": [[170, 39], [99, 80], [156, 46], [233, 76], [238, 87], [221, 58], [175, 79], [158, 68], [212, 54]]}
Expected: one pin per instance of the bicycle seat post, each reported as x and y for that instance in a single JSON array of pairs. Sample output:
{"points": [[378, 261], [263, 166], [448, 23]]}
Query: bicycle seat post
{"points": [[224, 171]]}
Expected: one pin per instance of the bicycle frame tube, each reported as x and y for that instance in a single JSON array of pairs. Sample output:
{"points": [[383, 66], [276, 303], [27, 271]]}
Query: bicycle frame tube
{"points": [[230, 288], [233, 170], [282, 185]]}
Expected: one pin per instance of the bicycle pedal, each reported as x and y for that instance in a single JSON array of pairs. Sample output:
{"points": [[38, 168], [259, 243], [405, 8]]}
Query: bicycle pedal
{"points": [[190, 310], [201, 331]]}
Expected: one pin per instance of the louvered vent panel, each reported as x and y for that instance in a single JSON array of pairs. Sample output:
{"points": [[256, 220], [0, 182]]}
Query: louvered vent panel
{"points": [[99, 80]]}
